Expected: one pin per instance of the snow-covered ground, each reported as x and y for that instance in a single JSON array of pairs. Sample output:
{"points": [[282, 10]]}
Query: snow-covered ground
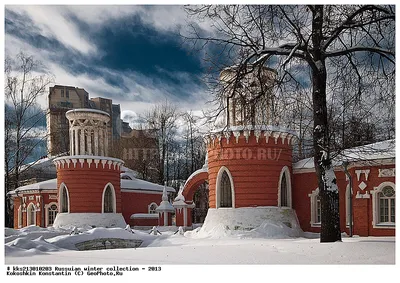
{"points": [[34, 245]]}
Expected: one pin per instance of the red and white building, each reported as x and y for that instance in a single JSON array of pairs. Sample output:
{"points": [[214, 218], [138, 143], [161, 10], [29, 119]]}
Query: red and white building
{"points": [[249, 171]]}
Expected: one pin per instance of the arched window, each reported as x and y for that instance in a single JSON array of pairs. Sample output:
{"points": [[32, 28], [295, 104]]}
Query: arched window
{"points": [[51, 214], [225, 191], [284, 188], [64, 199], [152, 208], [387, 205], [384, 205], [109, 205], [31, 214]]}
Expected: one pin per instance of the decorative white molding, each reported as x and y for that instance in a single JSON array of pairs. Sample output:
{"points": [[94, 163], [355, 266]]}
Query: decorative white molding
{"points": [[237, 135], [387, 172], [246, 134], [81, 161], [267, 134], [283, 136], [52, 196], [257, 134], [362, 185], [89, 161], [227, 135], [366, 195], [365, 172], [276, 136], [31, 197]]}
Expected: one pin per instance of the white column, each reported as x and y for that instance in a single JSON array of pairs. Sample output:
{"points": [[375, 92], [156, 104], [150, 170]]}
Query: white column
{"points": [[76, 152], [96, 141], [184, 216], [71, 141], [89, 141], [82, 141], [106, 141], [165, 218], [101, 133]]}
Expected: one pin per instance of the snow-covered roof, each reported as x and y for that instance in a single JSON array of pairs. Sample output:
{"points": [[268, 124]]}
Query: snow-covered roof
{"points": [[138, 184], [375, 151], [255, 127], [45, 185], [144, 216]]}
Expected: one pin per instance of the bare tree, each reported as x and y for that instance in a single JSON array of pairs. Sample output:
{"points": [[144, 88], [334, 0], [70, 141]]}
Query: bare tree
{"points": [[301, 42], [25, 82], [162, 119]]}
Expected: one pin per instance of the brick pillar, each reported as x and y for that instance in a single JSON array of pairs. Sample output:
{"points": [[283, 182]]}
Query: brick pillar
{"points": [[360, 214]]}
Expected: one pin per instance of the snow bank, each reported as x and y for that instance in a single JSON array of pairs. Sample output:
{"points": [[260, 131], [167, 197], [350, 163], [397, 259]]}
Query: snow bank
{"points": [[86, 220], [266, 222]]}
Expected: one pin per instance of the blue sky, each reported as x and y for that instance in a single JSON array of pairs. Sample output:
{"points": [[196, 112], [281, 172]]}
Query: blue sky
{"points": [[130, 54]]}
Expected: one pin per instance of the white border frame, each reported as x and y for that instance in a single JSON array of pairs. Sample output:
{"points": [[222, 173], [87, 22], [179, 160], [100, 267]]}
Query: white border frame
{"points": [[114, 201], [218, 187], [20, 218], [375, 205], [285, 170], [64, 187]]}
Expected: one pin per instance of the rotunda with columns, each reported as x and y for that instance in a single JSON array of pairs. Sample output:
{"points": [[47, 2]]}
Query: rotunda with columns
{"points": [[88, 182]]}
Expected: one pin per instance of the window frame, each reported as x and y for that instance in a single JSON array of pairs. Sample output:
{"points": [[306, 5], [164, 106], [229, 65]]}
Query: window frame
{"points": [[61, 199], [113, 200], [150, 210], [376, 206], [218, 188], [30, 208], [285, 172], [314, 208]]}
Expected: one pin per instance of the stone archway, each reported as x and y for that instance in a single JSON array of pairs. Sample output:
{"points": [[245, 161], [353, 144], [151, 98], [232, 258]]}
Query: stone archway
{"points": [[196, 191]]}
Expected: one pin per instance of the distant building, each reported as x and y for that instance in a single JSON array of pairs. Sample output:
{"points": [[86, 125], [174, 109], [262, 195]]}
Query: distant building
{"points": [[63, 98]]}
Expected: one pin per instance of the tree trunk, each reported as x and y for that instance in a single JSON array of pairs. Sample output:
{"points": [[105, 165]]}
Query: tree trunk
{"points": [[330, 224]]}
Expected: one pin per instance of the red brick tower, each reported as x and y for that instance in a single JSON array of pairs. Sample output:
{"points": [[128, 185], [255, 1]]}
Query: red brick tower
{"points": [[249, 160], [88, 182]]}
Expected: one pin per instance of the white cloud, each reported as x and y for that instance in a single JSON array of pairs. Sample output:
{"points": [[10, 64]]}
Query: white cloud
{"points": [[52, 22]]}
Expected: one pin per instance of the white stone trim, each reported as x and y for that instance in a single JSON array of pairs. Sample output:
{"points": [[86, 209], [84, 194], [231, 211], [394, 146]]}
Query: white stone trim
{"points": [[387, 172], [60, 200], [46, 209], [313, 205], [285, 170], [375, 206], [218, 187], [28, 215], [114, 201]]}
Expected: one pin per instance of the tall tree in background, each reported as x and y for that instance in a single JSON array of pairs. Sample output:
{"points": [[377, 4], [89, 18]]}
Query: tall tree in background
{"points": [[25, 81], [162, 120], [321, 42]]}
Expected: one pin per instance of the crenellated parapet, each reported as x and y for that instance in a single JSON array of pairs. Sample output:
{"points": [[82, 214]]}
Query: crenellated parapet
{"points": [[87, 162], [261, 134]]}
